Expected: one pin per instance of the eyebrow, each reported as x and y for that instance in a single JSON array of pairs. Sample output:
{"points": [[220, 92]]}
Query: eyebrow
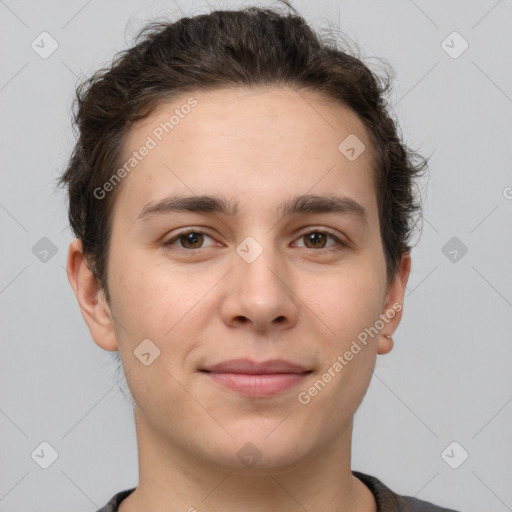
{"points": [[296, 205]]}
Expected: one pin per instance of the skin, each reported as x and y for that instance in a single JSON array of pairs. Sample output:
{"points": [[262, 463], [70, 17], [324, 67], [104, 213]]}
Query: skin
{"points": [[301, 301]]}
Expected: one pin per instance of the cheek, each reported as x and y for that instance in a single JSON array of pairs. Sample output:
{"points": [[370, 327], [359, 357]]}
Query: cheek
{"points": [[349, 302], [349, 306], [157, 301], [153, 303]]}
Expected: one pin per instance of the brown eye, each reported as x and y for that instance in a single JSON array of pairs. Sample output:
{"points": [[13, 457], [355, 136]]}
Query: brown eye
{"points": [[188, 240], [319, 239], [194, 239]]}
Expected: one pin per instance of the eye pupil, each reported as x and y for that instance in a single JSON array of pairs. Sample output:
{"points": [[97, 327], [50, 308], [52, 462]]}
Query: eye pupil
{"points": [[191, 238], [315, 238]]}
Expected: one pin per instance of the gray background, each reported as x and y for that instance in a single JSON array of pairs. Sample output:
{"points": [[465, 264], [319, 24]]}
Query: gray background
{"points": [[448, 377]]}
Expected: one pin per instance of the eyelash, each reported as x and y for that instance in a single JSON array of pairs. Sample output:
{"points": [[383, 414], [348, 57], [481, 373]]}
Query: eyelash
{"points": [[169, 243]]}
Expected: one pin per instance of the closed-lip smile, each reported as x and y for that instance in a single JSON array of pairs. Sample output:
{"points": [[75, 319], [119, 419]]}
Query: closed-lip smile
{"points": [[254, 368], [256, 379]]}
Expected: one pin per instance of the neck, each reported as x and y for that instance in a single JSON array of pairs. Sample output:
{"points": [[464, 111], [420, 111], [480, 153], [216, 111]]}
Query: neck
{"points": [[173, 479]]}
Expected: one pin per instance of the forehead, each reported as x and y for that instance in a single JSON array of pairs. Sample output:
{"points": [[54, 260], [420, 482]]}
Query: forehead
{"points": [[248, 113], [247, 142]]}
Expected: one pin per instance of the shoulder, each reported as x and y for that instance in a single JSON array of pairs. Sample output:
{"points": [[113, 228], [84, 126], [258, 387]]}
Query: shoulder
{"points": [[115, 501], [388, 501]]}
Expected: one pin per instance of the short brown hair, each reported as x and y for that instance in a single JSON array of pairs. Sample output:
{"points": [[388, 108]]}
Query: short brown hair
{"points": [[251, 47]]}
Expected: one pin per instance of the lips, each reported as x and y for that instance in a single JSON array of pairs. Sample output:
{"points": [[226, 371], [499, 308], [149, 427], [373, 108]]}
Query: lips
{"points": [[249, 367], [256, 379]]}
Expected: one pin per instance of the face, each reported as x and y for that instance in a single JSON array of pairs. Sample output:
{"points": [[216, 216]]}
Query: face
{"points": [[265, 278]]}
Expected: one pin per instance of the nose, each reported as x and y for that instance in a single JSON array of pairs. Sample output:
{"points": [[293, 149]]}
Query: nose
{"points": [[260, 295]]}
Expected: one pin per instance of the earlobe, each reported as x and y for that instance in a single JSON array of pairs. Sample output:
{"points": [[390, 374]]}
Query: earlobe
{"points": [[393, 307], [385, 344], [91, 298]]}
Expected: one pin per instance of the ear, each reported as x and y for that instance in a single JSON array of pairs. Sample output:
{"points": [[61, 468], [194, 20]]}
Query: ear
{"points": [[393, 304], [91, 298]]}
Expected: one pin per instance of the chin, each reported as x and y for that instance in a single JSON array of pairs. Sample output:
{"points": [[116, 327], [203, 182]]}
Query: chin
{"points": [[260, 446]]}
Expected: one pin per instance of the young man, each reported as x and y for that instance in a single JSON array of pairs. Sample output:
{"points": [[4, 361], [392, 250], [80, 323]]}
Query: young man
{"points": [[242, 206]]}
